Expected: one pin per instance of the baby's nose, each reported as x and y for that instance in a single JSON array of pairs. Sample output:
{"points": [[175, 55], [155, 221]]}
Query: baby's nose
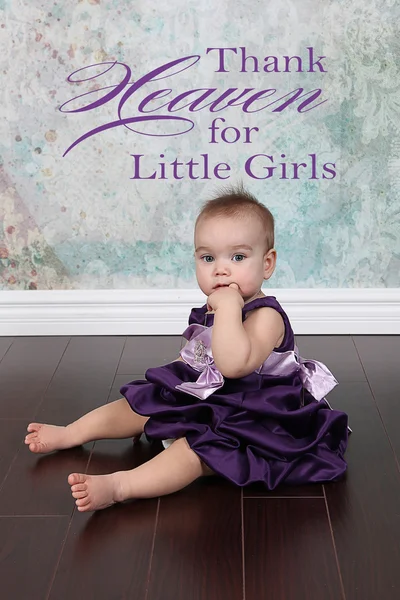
{"points": [[221, 268]]}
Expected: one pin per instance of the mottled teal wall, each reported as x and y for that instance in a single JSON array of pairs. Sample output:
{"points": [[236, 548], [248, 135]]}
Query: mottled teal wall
{"points": [[82, 221]]}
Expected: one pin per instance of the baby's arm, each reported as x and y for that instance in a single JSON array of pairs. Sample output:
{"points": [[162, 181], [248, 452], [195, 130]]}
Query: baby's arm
{"points": [[241, 347]]}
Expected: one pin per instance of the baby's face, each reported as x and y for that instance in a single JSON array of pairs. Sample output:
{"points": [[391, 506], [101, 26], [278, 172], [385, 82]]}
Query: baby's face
{"points": [[230, 250]]}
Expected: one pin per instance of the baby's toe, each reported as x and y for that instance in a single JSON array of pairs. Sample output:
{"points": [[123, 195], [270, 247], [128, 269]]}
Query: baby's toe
{"points": [[75, 478], [33, 427], [34, 447], [81, 502], [79, 487], [79, 495]]}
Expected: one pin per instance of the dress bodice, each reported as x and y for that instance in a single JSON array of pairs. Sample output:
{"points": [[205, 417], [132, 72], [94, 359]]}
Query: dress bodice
{"points": [[282, 361], [200, 316]]}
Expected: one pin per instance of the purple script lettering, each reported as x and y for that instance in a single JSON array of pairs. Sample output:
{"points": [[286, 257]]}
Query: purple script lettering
{"points": [[152, 109]]}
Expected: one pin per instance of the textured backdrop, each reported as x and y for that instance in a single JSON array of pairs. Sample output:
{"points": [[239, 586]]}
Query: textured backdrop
{"points": [[83, 219]]}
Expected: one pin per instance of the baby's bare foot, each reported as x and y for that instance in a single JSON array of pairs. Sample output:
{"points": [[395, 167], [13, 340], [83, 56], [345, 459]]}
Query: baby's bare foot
{"points": [[93, 492], [46, 438]]}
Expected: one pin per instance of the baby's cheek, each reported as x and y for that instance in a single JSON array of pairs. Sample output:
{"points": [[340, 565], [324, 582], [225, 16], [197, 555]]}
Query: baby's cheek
{"points": [[248, 284], [204, 281], [245, 285]]}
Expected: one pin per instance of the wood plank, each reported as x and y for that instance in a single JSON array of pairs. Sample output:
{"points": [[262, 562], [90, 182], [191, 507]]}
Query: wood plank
{"points": [[12, 433], [120, 380], [142, 352], [198, 550], [25, 373], [109, 456], [288, 550], [107, 554], [30, 547], [5, 344], [37, 484], [379, 355], [83, 379], [380, 358], [337, 352], [284, 491], [364, 507]]}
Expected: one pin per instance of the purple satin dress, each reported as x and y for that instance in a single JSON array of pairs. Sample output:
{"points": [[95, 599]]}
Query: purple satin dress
{"points": [[272, 426]]}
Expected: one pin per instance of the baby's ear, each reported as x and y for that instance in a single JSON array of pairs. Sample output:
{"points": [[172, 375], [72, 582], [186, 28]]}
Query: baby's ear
{"points": [[269, 263]]}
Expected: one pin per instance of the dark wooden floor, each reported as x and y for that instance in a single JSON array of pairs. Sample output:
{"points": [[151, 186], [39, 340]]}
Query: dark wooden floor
{"points": [[211, 541]]}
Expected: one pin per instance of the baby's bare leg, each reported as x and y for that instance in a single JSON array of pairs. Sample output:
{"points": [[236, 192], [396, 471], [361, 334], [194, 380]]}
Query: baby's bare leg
{"points": [[114, 420], [170, 471]]}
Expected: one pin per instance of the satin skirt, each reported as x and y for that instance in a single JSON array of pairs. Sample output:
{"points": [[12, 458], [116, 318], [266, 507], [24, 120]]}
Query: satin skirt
{"points": [[259, 428]]}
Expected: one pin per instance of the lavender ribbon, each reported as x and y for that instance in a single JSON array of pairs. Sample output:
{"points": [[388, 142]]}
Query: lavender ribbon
{"points": [[314, 375], [197, 354], [316, 378]]}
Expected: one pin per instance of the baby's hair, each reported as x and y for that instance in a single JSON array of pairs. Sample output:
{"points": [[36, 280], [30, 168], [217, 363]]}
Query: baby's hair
{"points": [[238, 202]]}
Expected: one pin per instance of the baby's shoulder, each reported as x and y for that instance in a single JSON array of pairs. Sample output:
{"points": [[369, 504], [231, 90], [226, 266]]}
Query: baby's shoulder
{"points": [[265, 322], [266, 311]]}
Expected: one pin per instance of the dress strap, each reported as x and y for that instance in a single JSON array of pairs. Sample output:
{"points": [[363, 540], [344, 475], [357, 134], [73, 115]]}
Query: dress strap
{"points": [[197, 315]]}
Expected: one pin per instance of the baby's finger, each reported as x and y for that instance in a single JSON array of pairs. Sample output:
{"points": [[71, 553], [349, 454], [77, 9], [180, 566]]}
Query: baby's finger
{"points": [[234, 286]]}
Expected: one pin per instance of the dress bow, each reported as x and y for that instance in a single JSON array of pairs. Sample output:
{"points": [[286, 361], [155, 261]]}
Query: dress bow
{"points": [[316, 377], [197, 354]]}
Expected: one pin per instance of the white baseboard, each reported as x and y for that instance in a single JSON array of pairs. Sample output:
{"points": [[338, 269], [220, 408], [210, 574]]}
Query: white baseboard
{"points": [[165, 312]]}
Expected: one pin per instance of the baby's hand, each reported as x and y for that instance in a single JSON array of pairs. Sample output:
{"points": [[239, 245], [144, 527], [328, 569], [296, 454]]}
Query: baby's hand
{"points": [[224, 295]]}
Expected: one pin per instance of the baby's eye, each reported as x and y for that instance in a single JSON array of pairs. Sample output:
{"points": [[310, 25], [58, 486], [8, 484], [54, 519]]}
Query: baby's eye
{"points": [[238, 257], [207, 258]]}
